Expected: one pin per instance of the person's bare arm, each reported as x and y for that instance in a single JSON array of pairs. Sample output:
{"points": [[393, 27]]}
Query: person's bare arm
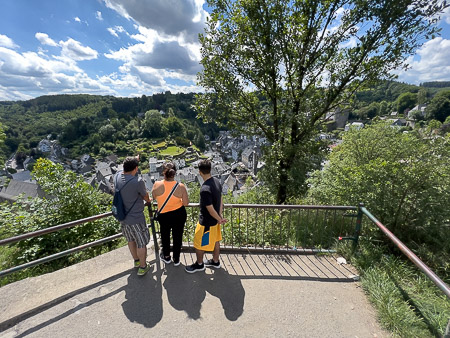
{"points": [[215, 215], [184, 194], [147, 198]]}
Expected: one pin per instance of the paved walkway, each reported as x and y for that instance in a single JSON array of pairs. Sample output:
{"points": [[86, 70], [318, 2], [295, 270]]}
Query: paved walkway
{"points": [[251, 296]]}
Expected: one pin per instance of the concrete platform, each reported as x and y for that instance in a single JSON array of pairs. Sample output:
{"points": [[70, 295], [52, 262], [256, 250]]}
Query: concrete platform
{"points": [[250, 296]]}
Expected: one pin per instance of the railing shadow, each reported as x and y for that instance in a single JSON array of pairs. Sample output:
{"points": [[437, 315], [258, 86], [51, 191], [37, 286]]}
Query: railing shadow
{"points": [[186, 292]]}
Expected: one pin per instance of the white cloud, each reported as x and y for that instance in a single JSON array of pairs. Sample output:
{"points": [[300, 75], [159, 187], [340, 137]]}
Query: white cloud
{"points": [[446, 15], [115, 30], [75, 51], [6, 94], [5, 41], [98, 15], [351, 43], [37, 74], [77, 19], [432, 63], [45, 40], [168, 17]]}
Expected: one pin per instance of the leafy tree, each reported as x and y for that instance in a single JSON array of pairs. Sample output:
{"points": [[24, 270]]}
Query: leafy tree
{"points": [[422, 96], [107, 132], [2, 141], [68, 198], [383, 108], [402, 178], [439, 107], [174, 126], [276, 67], [153, 124], [406, 101], [21, 155], [199, 141]]}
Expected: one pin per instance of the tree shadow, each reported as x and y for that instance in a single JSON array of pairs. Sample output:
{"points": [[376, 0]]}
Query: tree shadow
{"points": [[143, 296], [187, 292]]}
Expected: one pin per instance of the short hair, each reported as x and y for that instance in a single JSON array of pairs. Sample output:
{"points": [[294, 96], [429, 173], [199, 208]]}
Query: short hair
{"points": [[169, 170], [130, 163], [204, 166]]}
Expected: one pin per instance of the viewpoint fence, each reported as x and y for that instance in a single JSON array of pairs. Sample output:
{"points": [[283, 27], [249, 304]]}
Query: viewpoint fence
{"points": [[292, 229]]}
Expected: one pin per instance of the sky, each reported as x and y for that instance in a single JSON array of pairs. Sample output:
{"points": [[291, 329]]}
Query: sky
{"points": [[129, 48]]}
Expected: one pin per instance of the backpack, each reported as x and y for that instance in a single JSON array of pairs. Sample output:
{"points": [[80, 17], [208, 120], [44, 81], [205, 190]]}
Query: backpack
{"points": [[118, 208]]}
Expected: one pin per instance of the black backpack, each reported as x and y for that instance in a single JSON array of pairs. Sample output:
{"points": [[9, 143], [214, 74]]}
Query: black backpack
{"points": [[118, 208]]}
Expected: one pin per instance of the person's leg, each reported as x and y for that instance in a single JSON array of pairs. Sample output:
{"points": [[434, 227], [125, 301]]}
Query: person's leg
{"points": [[179, 220], [133, 250], [216, 252], [165, 235], [199, 254], [142, 236], [142, 254]]}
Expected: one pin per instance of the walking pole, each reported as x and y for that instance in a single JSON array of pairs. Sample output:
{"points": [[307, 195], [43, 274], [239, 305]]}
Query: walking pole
{"points": [[152, 224]]}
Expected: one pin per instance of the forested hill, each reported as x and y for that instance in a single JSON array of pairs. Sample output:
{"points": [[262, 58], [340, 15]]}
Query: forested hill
{"points": [[85, 123], [103, 124]]}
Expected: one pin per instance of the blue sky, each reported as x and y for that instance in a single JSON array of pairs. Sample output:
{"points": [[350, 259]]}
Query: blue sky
{"points": [[128, 48]]}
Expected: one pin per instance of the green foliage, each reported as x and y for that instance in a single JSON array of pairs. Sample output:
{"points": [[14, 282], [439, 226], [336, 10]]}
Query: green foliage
{"points": [[152, 125], [406, 101], [436, 84], [83, 123], [408, 304], [402, 178], [68, 198], [2, 141], [279, 50], [439, 107]]}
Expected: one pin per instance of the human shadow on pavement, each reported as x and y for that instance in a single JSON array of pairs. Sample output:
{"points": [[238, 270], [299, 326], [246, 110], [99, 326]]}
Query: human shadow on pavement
{"points": [[186, 292], [143, 296]]}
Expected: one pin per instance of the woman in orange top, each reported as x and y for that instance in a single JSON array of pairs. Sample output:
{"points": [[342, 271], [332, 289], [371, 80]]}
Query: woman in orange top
{"points": [[173, 216]]}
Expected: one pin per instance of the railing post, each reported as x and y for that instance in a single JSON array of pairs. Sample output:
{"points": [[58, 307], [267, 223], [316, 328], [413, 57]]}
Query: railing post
{"points": [[358, 225], [152, 225]]}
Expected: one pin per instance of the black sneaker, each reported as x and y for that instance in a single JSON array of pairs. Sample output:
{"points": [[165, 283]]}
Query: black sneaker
{"points": [[195, 267], [176, 263], [166, 259], [211, 264]]}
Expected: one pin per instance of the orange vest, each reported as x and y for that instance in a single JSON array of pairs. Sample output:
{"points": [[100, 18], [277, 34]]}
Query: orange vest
{"points": [[173, 203]]}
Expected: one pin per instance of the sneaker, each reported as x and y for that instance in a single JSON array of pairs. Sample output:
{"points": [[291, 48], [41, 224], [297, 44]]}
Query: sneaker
{"points": [[195, 267], [211, 264], [137, 264], [176, 263], [143, 271], [166, 259]]}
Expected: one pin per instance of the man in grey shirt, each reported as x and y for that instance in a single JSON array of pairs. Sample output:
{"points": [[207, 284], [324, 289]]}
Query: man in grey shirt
{"points": [[134, 228]]}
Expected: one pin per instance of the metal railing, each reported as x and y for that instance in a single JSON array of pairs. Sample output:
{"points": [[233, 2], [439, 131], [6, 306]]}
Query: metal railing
{"points": [[293, 229], [408, 253], [290, 228]]}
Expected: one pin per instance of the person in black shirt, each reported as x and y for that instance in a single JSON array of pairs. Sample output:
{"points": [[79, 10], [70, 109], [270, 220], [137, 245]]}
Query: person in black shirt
{"points": [[208, 233]]}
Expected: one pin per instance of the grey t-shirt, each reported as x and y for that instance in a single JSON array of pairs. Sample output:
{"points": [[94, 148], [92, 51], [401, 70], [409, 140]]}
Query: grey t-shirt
{"points": [[133, 191]]}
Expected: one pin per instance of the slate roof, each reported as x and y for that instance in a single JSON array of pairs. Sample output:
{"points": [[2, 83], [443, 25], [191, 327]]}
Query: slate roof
{"points": [[15, 188]]}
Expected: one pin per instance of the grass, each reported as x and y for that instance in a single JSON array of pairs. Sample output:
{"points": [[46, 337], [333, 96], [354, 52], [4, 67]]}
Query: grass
{"points": [[172, 150], [407, 302]]}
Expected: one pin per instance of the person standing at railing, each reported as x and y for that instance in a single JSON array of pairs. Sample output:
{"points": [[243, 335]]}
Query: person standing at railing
{"points": [[134, 228], [172, 217], [208, 233]]}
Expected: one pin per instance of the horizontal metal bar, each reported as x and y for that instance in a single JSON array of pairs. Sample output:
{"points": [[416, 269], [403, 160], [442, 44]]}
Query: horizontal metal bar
{"points": [[59, 255], [416, 260], [52, 229], [255, 250], [284, 206]]}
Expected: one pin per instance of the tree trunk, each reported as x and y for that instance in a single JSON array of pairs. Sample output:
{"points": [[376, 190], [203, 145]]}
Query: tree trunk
{"points": [[283, 182]]}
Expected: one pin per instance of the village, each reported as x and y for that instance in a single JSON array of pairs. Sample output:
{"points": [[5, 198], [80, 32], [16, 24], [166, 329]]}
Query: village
{"points": [[234, 159]]}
